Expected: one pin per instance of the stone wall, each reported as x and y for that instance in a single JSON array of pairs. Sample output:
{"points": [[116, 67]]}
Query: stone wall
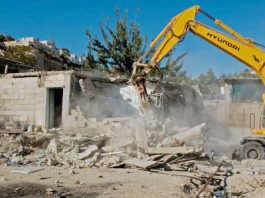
{"points": [[23, 96], [247, 115]]}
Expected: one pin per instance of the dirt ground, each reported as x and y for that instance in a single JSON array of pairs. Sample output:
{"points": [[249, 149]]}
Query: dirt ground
{"points": [[96, 182], [89, 182]]}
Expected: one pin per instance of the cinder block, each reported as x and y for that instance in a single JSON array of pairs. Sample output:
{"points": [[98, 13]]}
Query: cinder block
{"points": [[12, 97], [51, 84], [60, 77], [6, 85], [30, 90], [30, 96], [30, 113], [18, 102], [7, 113], [19, 86], [1, 102]]}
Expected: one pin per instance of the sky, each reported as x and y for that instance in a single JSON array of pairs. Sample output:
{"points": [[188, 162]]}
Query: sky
{"points": [[65, 21]]}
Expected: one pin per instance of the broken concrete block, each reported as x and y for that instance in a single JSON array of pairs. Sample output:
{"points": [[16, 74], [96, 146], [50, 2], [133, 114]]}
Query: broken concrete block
{"points": [[83, 141], [107, 149], [88, 152], [30, 128], [77, 148], [52, 162], [91, 161], [53, 147], [44, 129], [108, 161], [50, 191], [192, 136]]}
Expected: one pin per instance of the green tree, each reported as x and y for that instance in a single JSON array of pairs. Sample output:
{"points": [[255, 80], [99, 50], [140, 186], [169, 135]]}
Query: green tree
{"points": [[246, 73], [208, 84], [121, 46], [173, 70]]}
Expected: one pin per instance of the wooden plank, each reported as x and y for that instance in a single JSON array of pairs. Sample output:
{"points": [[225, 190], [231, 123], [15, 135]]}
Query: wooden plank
{"points": [[145, 164], [154, 157], [172, 150], [166, 158]]}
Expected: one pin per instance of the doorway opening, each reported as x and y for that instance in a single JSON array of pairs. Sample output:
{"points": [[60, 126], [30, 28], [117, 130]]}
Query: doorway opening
{"points": [[55, 106]]}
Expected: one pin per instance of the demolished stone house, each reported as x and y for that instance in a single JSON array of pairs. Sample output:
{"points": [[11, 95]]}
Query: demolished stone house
{"points": [[47, 99], [74, 101], [80, 105], [42, 99]]}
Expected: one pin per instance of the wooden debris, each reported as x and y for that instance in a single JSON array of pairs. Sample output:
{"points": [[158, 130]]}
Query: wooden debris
{"points": [[176, 167], [211, 177], [145, 164], [173, 150], [186, 159], [154, 157], [166, 158], [177, 159], [174, 174]]}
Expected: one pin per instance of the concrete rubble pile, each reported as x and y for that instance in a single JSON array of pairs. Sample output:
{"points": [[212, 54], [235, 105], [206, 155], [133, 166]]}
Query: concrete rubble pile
{"points": [[59, 151], [122, 138]]}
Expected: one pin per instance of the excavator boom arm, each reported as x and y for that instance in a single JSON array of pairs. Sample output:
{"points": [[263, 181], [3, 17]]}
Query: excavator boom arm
{"points": [[252, 56], [170, 36], [234, 44]]}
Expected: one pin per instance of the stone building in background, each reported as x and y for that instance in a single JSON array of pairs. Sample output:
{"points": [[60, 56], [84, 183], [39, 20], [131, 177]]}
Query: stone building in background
{"points": [[45, 55], [241, 106]]}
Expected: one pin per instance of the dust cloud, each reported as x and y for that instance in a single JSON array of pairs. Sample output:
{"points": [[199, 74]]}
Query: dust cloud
{"points": [[181, 108]]}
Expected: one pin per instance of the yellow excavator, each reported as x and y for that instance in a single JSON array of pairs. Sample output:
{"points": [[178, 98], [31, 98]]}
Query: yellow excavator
{"points": [[241, 48]]}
